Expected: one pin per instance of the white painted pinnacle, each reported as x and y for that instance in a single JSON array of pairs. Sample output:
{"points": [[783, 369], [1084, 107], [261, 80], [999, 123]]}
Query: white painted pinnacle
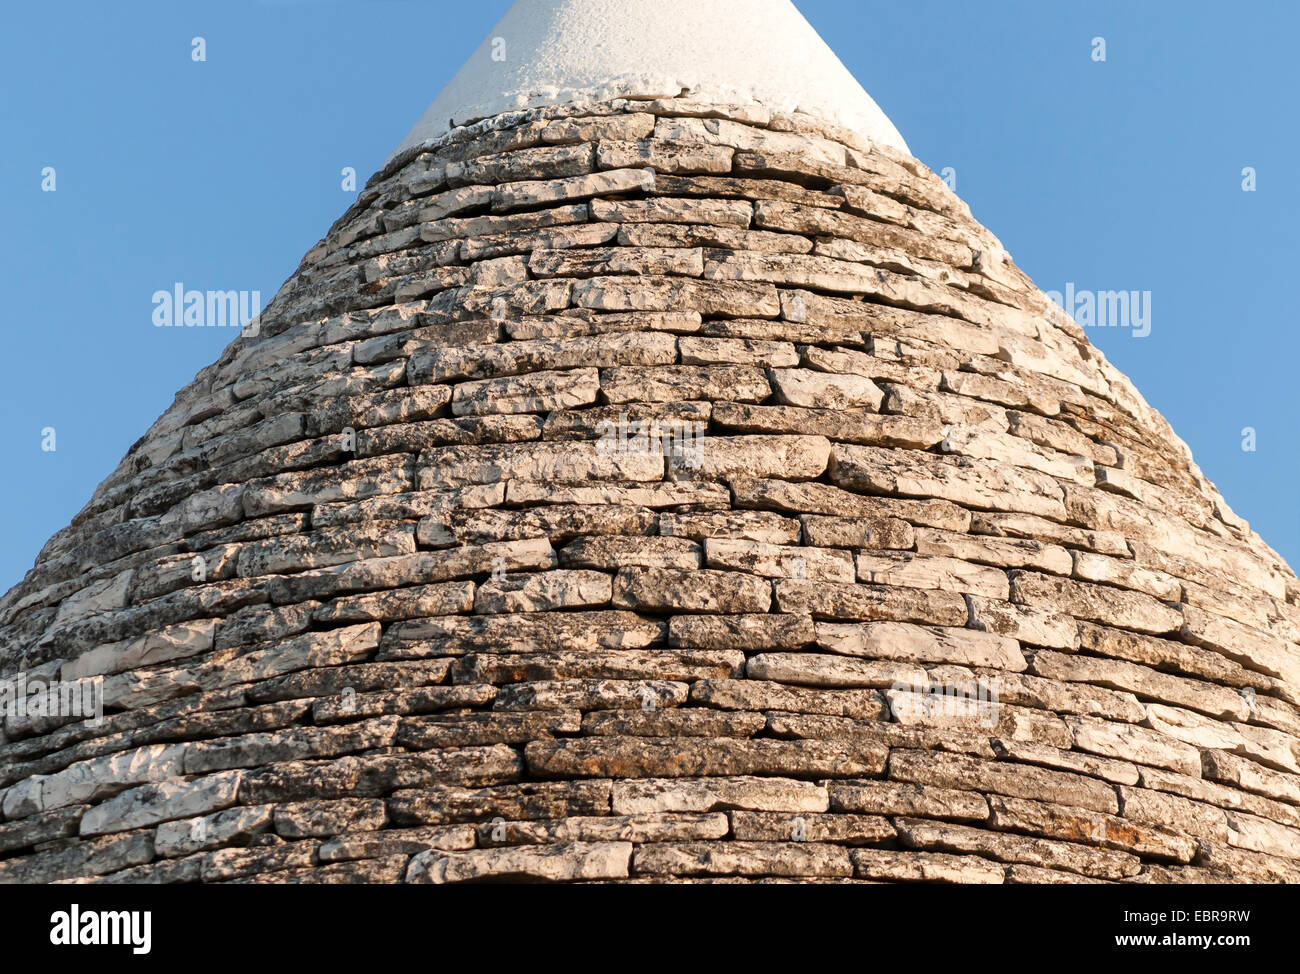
{"points": [[740, 52]]}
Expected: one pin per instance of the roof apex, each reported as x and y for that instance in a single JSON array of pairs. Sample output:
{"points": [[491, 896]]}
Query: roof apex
{"points": [[761, 52]]}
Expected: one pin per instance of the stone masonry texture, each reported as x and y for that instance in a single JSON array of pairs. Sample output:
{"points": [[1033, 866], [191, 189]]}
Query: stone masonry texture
{"points": [[657, 492]]}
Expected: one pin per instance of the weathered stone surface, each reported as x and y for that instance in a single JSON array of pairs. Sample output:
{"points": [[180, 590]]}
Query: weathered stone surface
{"points": [[574, 631], [153, 803], [592, 694], [761, 693], [651, 795], [661, 589], [1250, 776], [777, 827], [959, 771], [44, 827], [252, 750], [928, 867], [1078, 824], [729, 457], [94, 857], [866, 532], [1119, 772], [931, 571], [779, 561], [301, 652], [747, 632], [564, 463], [93, 779], [475, 729], [741, 858], [777, 495], [1044, 853], [1096, 603], [533, 393], [449, 598], [175, 642], [1030, 626], [1136, 744], [762, 527], [869, 603], [366, 845], [370, 776], [540, 593], [965, 481], [922, 644], [441, 805], [894, 798], [301, 820], [613, 828], [692, 722], [664, 156], [821, 390], [564, 862], [656, 491], [725, 756]]}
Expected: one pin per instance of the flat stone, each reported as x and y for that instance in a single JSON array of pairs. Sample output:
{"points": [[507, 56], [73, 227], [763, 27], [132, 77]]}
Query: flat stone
{"points": [[232, 826], [1027, 625], [758, 693], [677, 795], [1044, 853], [922, 644], [404, 842], [667, 590], [779, 561], [849, 830], [563, 862], [560, 462], [1095, 603], [534, 393], [869, 603], [613, 828], [741, 858], [864, 532], [895, 798], [925, 867], [744, 632], [1018, 781], [822, 390], [592, 694], [563, 589], [811, 498], [910, 570], [675, 723], [693, 757], [162, 801], [1077, 824], [443, 805], [762, 527], [1136, 744], [965, 481]]}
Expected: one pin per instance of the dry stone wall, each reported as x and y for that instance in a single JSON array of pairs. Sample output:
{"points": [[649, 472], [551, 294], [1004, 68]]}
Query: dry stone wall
{"points": [[657, 491]]}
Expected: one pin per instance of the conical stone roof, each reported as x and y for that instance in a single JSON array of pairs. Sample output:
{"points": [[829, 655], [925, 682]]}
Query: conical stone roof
{"points": [[649, 489]]}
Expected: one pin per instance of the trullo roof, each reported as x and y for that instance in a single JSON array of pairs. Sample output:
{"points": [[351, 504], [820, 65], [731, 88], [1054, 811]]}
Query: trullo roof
{"points": [[657, 488]]}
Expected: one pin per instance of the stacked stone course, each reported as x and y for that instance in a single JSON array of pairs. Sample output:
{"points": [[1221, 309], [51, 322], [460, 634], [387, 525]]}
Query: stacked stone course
{"points": [[376, 600]]}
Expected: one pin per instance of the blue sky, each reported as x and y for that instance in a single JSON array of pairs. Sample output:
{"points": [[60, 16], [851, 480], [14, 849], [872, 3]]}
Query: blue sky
{"points": [[1117, 175]]}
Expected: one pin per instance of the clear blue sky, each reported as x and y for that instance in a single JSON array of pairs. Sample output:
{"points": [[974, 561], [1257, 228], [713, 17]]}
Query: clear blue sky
{"points": [[1117, 175]]}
